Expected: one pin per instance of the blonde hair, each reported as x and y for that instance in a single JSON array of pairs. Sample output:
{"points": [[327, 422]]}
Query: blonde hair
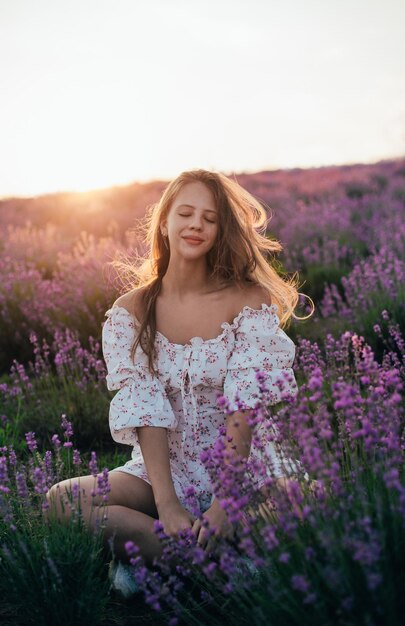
{"points": [[238, 255]]}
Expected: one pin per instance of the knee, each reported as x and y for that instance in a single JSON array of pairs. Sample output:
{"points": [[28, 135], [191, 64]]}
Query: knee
{"points": [[52, 491], [54, 496], [61, 496]]}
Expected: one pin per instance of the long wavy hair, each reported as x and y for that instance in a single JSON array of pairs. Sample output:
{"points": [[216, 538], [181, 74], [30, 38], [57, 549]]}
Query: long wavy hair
{"points": [[238, 256]]}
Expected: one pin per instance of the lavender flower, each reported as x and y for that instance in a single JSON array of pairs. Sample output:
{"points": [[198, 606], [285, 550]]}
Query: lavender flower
{"points": [[4, 479], [68, 431], [93, 464], [76, 458], [31, 441]]}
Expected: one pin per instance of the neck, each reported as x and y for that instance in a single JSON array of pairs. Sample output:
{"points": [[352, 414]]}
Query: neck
{"points": [[186, 278]]}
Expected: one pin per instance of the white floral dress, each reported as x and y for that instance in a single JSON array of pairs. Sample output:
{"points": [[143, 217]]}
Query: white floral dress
{"points": [[183, 396]]}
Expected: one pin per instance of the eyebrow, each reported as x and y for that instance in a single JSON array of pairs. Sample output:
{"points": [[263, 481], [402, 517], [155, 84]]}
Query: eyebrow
{"points": [[190, 206]]}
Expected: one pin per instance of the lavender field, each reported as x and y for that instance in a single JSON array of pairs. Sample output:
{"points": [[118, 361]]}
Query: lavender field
{"points": [[331, 549]]}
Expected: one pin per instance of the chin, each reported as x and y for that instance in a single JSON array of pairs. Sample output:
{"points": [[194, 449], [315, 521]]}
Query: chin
{"points": [[192, 256], [188, 251]]}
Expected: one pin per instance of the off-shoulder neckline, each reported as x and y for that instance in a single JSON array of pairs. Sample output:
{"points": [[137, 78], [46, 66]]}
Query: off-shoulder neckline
{"points": [[226, 326]]}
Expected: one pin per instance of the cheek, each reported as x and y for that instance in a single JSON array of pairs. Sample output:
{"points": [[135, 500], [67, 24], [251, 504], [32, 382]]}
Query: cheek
{"points": [[174, 226], [214, 233]]}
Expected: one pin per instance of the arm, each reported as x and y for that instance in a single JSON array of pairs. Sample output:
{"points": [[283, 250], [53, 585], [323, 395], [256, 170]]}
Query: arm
{"points": [[241, 433], [155, 451]]}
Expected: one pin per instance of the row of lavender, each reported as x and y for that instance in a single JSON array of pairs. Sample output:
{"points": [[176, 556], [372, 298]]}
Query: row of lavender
{"points": [[349, 252]]}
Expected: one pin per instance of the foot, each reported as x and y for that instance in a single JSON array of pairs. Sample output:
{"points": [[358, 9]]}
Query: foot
{"points": [[122, 579], [246, 572]]}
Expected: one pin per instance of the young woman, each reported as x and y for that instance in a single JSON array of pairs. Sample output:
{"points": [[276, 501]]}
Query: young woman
{"points": [[205, 315]]}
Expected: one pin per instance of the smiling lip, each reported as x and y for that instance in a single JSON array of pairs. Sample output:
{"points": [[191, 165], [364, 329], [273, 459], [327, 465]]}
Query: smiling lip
{"points": [[193, 239]]}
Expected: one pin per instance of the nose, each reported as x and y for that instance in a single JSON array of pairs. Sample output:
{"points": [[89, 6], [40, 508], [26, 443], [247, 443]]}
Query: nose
{"points": [[196, 222]]}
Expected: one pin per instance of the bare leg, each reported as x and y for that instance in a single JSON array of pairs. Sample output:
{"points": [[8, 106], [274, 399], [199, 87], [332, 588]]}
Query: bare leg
{"points": [[130, 512], [125, 524]]}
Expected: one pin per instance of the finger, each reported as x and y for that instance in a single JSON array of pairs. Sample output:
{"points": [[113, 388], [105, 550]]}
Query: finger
{"points": [[196, 527], [201, 539], [210, 544]]}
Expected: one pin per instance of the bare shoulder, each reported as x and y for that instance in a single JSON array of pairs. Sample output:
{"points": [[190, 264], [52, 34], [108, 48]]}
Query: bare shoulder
{"points": [[131, 301], [252, 296]]}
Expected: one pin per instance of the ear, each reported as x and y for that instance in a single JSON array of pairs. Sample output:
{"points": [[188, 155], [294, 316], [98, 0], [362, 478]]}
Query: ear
{"points": [[163, 224]]}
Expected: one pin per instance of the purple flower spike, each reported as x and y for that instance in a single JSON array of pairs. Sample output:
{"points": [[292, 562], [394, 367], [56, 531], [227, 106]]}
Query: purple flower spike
{"points": [[131, 548], [158, 529], [31, 441], [103, 484], [67, 429], [284, 557], [300, 583], [93, 464], [3, 475], [76, 458], [56, 441]]}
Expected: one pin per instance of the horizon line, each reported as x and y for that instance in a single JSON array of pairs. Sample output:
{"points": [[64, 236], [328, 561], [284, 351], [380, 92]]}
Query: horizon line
{"points": [[160, 180]]}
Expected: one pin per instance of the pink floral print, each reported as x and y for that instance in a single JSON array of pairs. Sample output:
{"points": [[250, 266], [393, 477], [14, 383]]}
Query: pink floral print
{"points": [[183, 396]]}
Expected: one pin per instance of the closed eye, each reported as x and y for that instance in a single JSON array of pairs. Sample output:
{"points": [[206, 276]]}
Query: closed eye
{"points": [[188, 215]]}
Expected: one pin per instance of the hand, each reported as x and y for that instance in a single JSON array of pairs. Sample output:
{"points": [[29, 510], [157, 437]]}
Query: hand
{"points": [[174, 518], [218, 521], [295, 493]]}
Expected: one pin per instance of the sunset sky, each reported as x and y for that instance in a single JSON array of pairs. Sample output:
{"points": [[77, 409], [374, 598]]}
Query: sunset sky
{"points": [[102, 92]]}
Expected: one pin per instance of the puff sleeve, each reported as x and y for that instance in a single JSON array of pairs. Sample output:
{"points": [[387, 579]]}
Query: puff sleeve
{"points": [[260, 345], [141, 399]]}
